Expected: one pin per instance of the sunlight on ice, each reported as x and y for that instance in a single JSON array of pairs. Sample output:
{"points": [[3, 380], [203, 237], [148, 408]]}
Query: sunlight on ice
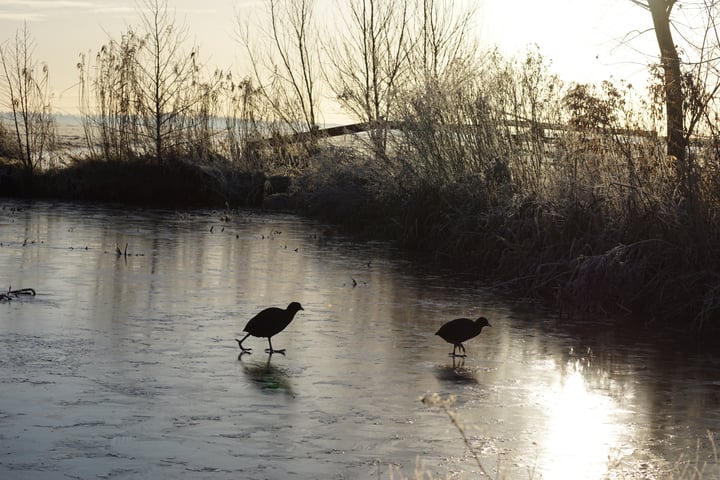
{"points": [[581, 433]]}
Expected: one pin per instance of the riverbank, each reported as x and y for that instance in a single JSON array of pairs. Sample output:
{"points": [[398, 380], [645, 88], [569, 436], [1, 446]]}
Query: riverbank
{"points": [[588, 220], [657, 267], [173, 184]]}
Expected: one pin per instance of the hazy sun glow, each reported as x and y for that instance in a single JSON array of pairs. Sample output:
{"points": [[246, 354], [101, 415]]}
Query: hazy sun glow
{"points": [[584, 40]]}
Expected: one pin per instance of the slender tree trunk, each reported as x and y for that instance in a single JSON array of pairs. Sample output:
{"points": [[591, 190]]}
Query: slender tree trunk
{"points": [[158, 106], [670, 61]]}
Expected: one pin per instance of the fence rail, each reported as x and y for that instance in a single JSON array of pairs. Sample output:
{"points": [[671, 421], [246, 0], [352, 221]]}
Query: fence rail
{"points": [[541, 130]]}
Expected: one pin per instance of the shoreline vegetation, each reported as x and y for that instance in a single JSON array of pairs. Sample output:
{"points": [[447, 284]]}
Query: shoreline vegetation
{"points": [[492, 166]]}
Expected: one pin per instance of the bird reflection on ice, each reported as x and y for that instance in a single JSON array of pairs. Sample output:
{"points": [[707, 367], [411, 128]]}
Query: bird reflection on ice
{"points": [[456, 373], [266, 376]]}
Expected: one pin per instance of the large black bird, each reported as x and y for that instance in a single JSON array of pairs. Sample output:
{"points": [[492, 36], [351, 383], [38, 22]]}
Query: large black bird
{"points": [[269, 322], [461, 330]]}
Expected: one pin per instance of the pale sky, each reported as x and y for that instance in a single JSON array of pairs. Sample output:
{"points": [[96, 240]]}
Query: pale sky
{"points": [[582, 38]]}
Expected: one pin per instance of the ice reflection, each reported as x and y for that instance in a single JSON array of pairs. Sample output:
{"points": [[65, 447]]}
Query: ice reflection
{"points": [[266, 376], [581, 431], [144, 345], [456, 373]]}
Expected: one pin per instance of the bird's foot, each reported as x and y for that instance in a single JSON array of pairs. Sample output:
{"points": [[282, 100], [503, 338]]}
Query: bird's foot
{"points": [[457, 355], [271, 351], [244, 350]]}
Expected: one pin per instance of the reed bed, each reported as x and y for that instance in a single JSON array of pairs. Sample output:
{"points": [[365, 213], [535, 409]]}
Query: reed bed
{"points": [[499, 170], [576, 204]]}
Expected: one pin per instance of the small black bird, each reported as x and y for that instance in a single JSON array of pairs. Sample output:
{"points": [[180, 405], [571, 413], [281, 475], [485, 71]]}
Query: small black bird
{"points": [[269, 322], [460, 330]]}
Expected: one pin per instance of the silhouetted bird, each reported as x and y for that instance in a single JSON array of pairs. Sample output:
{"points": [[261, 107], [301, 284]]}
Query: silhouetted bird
{"points": [[460, 330], [269, 322]]}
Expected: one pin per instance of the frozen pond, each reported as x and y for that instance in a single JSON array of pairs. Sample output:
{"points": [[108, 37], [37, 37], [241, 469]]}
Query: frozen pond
{"points": [[124, 366]]}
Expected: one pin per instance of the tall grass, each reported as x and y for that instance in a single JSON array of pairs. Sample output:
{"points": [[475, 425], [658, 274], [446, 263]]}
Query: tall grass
{"points": [[25, 93], [558, 191]]}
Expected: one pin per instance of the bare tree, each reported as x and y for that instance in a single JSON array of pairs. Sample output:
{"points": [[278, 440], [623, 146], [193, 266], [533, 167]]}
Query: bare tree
{"points": [[166, 74], [444, 36], [295, 38], [28, 98], [661, 11], [371, 62], [150, 95], [448, 133], [286, 70], [289, 69], [670, 61]]}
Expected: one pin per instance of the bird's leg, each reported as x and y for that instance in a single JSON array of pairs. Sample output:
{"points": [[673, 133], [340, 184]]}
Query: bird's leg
{"points": [[245, 350], [462, 349], [271, 351]]}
